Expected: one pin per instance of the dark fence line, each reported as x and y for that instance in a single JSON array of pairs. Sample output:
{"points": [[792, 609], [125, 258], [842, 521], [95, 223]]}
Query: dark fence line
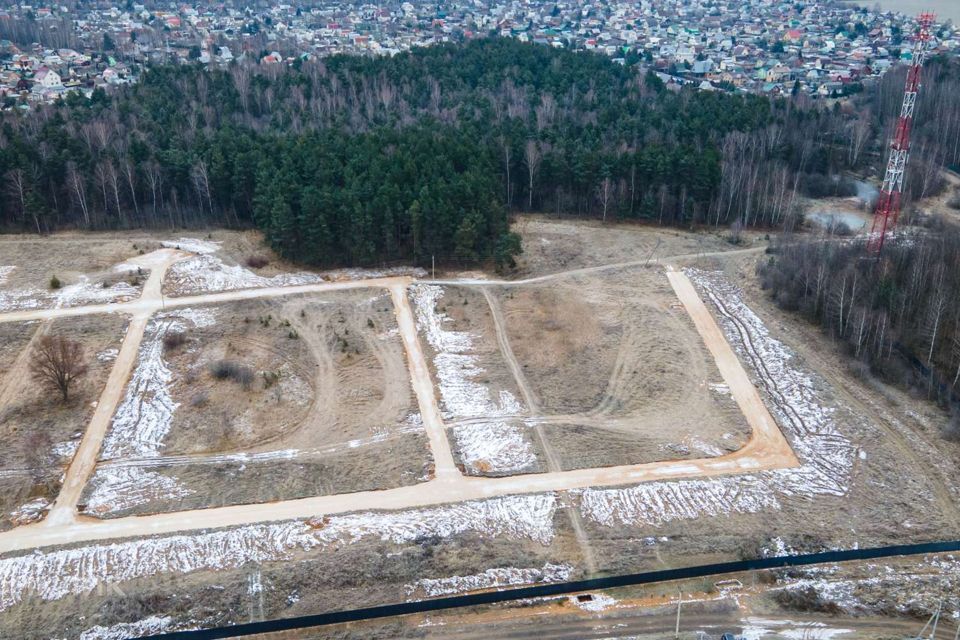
{"points": [[558, 588]]}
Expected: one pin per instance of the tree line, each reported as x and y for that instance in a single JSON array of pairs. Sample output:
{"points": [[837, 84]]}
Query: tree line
{"points": [[898, 315], [349, 159]]}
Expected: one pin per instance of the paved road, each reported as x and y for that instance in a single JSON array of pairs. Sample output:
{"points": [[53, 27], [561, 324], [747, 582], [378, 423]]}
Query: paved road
{"points": [[767, 448]]}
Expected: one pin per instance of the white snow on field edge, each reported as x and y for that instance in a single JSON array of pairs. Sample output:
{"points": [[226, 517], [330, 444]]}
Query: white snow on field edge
{"points": [[826, 455], [5, 272], [144, 416], [490, 579], [207, 273], [57, 574], [497, 446], [193, 245], [142, 421], [148, 626]]}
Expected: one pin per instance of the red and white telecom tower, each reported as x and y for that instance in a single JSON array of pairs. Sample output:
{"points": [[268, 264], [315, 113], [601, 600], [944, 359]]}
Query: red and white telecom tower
{"points": [[888, 206]]}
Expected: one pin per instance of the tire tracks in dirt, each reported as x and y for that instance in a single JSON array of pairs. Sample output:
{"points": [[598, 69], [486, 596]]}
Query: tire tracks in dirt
{"points": [[530, 399]]}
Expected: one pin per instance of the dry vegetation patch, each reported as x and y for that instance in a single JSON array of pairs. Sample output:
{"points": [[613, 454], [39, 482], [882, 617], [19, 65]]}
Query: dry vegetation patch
{"points": [[40, 432], [269, 399], [615, 361]]}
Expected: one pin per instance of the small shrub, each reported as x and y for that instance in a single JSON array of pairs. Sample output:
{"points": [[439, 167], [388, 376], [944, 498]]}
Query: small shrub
{"points": [[951, 430], [257, 262], [954, 201], [230, 370], [199, 399], [370, 323], [55, 282], [174, 340], [270, 378], [293, 335]]}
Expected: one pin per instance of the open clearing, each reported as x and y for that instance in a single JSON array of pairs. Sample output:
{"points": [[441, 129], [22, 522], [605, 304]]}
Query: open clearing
{"points": [[40, 432], [405, 438], [271, 399]]}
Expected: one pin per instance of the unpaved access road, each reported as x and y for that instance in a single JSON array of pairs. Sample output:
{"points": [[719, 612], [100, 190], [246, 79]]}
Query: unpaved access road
{"points": [[766, 449]]}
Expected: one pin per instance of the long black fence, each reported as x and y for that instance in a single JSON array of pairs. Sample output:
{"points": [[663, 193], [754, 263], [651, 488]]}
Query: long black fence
{"points": [[558, 588]]}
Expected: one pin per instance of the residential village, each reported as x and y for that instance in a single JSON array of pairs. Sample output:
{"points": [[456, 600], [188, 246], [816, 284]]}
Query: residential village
{"points": [[822, 49]]}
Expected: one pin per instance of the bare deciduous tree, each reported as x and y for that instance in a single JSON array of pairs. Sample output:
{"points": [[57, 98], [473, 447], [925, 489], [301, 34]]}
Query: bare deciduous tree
{"points": [[57, 362]]}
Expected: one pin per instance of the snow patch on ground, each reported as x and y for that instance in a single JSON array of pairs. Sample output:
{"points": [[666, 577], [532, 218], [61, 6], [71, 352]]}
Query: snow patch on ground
{"points": [[142, 421], [912, 590], [31, 511], [598, 602], [86, 292], [492, 446], [207, 273], [108, 355], [146, 627], [145, 414], [56, 574], [756, 628], [122, 488], [826, 456], [528, 516], [5, 272], [193, 245], [490, 579]]}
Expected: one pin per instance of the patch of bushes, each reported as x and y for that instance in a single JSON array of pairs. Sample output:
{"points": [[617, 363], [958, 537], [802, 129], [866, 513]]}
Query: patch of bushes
{"points": [[954, 201], [174, 340], [951, 430], [805, 599], [257, 262], [55, 282], [230, 370]]}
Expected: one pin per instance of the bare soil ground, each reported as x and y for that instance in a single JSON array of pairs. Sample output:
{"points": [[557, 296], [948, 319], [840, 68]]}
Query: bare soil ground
{"points": [[353, 573], [38, 430], [560, 244], [67, 256], [315, 400], [904, 486], [618, 355], [230, 480]]}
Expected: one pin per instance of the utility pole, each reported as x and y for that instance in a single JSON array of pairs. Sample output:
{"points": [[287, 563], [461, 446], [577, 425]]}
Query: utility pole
{"points": [[676, 631], [433, 267], [888, 206]]}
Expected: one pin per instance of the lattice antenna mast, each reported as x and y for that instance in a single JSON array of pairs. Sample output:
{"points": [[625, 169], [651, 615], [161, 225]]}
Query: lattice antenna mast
{"points": [[888, 206]]}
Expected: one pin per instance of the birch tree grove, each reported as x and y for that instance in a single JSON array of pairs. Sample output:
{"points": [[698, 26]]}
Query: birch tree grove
{"points": [[899, 315]]}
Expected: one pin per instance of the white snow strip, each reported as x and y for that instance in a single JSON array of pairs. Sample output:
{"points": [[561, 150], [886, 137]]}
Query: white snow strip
{"points": [[144, 416], [193, 245], [86, 292], [146, 627], [598, 602], [56, 574], [826, 455], [494, 446], [5, 272], [490, 579], [756, 628], [30, 511], [207, 273], [120, 488]]}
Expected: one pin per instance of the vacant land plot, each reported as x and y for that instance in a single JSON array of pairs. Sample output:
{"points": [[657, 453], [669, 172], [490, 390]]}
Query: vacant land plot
{"points": [[478, 395], [39, 431], [261, 400], [68, 271], [560, 244], [615, 361]]}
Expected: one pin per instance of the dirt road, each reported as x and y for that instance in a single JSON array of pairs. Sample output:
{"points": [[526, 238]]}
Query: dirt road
{"points": [[767, 448], [444, 466], [84, 461]]}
